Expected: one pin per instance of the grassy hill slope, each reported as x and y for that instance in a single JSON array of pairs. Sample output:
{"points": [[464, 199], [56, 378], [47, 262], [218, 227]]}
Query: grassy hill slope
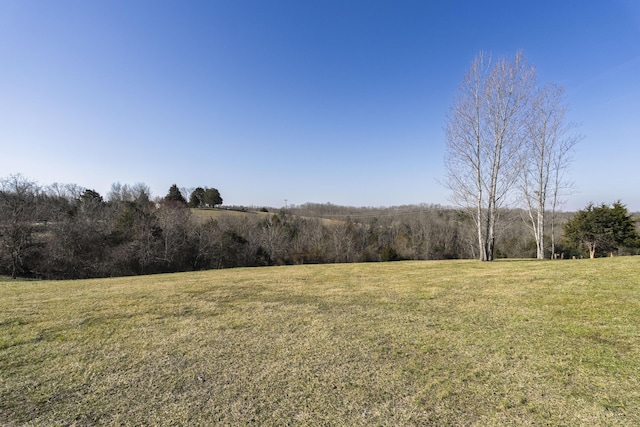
{"points": [[411, 343], [206, 214]]}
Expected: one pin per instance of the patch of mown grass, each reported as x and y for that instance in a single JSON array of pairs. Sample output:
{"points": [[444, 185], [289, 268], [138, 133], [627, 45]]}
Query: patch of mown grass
{"points": [[409, 343]]}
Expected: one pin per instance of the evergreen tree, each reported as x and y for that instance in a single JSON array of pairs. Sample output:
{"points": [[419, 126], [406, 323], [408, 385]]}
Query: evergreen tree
{"points": [[174, 195], [91, 196], [602, 230]]}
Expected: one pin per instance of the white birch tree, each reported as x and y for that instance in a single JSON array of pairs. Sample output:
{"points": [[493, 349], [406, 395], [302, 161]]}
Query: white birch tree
{"points": [[485, 129], [545, 158]]}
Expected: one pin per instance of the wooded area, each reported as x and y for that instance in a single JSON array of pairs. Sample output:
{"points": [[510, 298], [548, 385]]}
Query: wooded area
{"points": [[67, 231]]}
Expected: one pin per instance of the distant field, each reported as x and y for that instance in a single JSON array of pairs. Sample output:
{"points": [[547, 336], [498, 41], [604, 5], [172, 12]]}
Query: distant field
{"points": [[205, 214], [411, 343]]}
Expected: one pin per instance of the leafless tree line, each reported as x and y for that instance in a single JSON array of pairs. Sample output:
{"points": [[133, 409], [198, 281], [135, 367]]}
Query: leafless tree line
{"points": [[66, 231]]}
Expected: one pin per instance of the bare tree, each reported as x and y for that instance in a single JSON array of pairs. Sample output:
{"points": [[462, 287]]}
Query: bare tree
{"points": [[139, 193], [175, 220], [545, 158], [274, 238], [485, 130], [20, 207]]}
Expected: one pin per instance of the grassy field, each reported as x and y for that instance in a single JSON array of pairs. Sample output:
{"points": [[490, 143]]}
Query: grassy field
{"points": [[206, 214], [411, 343]]}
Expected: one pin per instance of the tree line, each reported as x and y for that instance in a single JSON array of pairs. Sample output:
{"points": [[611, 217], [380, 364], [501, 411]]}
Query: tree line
{"points": [[69, 232]]}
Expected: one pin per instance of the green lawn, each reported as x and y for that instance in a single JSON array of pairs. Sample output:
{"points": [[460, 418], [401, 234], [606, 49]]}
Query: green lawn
{"points": [[409, 343]]}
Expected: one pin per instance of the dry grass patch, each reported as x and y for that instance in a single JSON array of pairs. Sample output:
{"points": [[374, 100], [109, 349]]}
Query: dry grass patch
{"points": [[205, 214], [411, 343]]}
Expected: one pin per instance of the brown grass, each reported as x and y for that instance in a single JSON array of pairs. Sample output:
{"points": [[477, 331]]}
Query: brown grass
{"points": [[216, 214], [411, 343]]}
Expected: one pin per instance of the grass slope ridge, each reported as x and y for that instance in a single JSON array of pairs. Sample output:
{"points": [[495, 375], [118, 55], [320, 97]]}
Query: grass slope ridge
{"points": [[410, 343]]}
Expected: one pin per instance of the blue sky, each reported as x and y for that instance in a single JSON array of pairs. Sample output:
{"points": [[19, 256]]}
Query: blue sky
{"points": [[308, 101]]}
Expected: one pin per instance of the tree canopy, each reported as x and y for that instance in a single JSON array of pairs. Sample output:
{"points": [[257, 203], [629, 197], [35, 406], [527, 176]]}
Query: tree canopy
{"points": [[205, 197], [212, 197], [602, 230], [196, 199]]}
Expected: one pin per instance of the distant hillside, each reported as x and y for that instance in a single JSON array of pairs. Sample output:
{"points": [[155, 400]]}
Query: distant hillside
{"points": [[204, 214], [215, 213]]}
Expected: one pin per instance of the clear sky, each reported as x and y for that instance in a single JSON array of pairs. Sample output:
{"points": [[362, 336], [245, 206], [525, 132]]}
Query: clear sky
{"points": [[337, 101]]}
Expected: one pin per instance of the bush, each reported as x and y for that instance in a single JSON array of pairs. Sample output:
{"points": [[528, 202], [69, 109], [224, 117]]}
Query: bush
{"points": [[388, 253]]}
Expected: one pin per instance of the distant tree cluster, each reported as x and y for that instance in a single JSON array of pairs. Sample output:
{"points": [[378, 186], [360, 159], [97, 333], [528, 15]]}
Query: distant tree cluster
{"points": [[66, 231], [205, 198], [199, 198]]}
